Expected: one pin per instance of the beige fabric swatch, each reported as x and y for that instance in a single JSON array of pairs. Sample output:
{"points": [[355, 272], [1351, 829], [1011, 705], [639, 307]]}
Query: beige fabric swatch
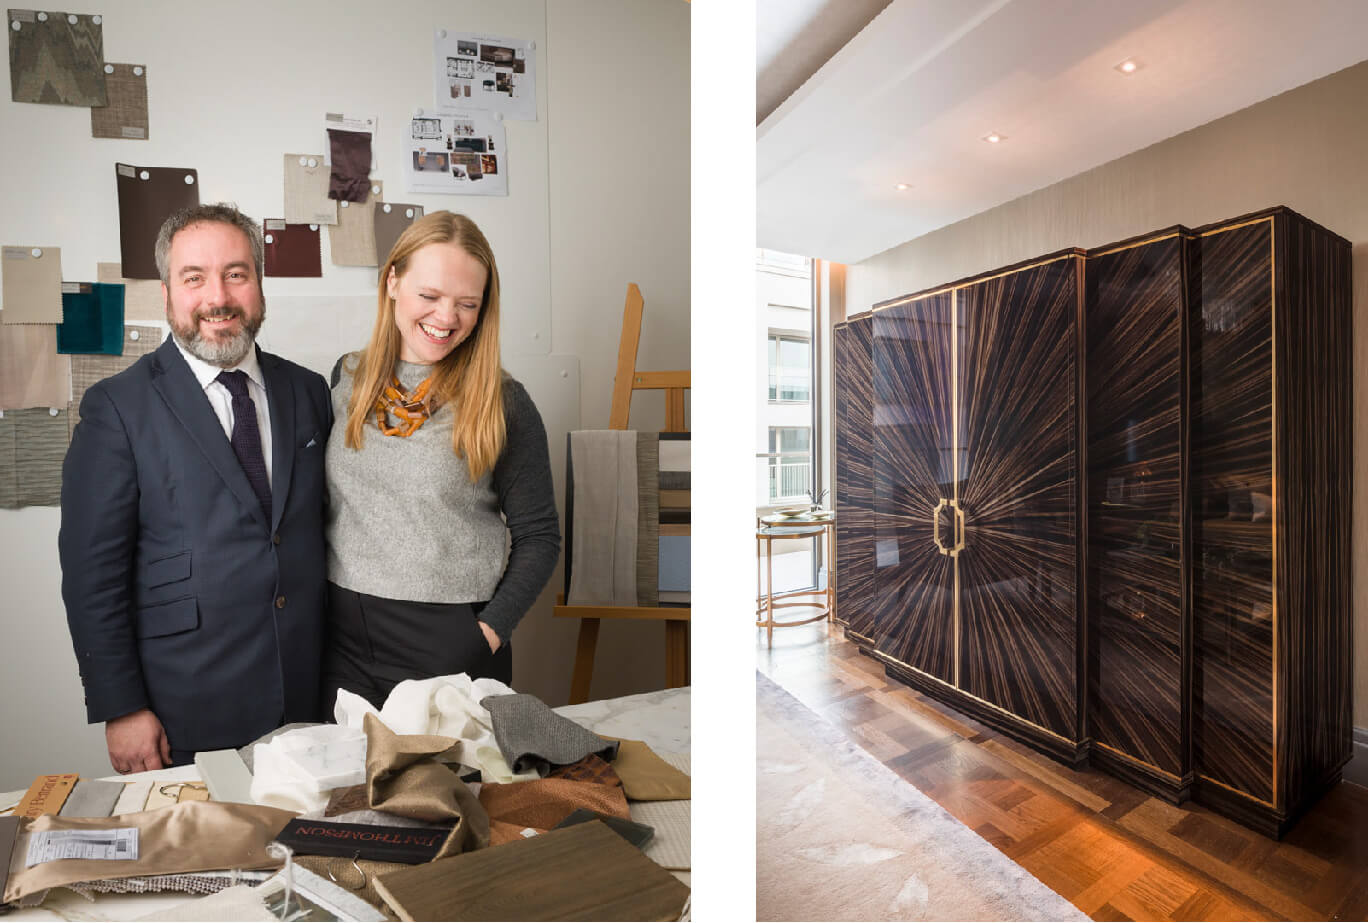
{"points": [[88, 369], [32, 285], [306, 190], [32, 374], [647, 776], [126, 115], [32, 446], [352, 240], [142, 297]]}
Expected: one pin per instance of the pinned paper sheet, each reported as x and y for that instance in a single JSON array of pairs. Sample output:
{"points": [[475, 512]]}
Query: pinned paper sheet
{"points": [[32, 374], [352, 240], [463, 154], [32, 285], [56, 58], [488, 72], [92, 319], [126, 115], [147, 197], [293, 249], [306, 190], [391, 219], [142, 297]]}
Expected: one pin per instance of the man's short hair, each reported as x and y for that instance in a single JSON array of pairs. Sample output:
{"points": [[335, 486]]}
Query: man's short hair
{"points": [[222, 212]]}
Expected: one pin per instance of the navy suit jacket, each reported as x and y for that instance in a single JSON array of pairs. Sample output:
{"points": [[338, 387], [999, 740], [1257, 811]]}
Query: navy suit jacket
{"points": [[180, 596]]}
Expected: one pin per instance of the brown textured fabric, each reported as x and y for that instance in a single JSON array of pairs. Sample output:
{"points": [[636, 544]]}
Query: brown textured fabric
{"points": [[647, 777], [346, 800], [126, 115], [351, 162], [54, 60], [194, 836], [402, 777], [648, 519], [391, 218], [593, 768], [144, 205], [543, 803]]}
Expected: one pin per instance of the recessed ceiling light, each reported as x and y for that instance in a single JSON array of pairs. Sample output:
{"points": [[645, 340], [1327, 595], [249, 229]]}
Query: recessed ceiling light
{"points": [[994, 137], [902, 187], [1128, 66]]}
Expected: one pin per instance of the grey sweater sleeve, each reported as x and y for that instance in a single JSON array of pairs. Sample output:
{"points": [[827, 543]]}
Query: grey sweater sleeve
{"points": [[527, 497]]}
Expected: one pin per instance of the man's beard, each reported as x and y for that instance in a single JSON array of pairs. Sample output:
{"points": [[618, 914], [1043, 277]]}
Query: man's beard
{"points": [[219, 351]]}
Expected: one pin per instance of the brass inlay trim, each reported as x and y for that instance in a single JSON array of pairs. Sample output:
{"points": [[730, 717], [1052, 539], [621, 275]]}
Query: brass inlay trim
{"points": [[979, 281], [936, 679], [1273, 488], [1236, 227], [1135, 759], [954, 476], [1139, 243], [1231, 788]]}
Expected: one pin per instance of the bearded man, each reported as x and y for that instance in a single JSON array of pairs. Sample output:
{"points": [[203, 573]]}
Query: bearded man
{"points": [[192, 517]]}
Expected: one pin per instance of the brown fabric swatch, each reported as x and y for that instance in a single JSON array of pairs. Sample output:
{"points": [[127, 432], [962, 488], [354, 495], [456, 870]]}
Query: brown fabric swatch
{"points": [[306, 190], [543, 803], [351, 161], [346, 800], [647, 777], [126, 115], [391, 218], [194, 836], [402, 777], [88, 369], [293, 249], [147, 197], [592, 768], [648, 519], [142, 297], [32, 284], [56, 58], [32, 374], [352, 240]]}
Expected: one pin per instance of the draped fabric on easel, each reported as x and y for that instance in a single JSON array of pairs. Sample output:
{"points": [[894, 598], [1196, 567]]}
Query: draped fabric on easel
{"points": [[605, 518]]}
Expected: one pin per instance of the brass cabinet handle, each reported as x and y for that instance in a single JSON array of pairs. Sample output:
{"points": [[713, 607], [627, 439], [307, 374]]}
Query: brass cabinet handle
{"points": [[959, 527], [935, 525]]}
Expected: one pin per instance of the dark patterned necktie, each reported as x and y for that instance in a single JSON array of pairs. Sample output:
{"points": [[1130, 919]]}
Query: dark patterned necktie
{"points": [[247, 437]]}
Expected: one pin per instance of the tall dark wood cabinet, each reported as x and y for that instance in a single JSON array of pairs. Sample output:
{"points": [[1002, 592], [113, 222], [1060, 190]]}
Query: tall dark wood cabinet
{"points": [[1101, 502]]}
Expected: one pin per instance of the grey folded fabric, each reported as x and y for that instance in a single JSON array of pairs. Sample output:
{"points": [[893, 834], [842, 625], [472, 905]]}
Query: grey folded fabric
{"points": [[533, 738], [92, 798]]}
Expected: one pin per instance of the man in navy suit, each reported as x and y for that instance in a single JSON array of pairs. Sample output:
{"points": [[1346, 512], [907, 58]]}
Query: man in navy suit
{"points": [[193, 566]]}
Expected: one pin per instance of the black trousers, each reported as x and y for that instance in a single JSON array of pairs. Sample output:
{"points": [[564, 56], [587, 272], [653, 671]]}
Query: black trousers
{"points": [[371, 644]]}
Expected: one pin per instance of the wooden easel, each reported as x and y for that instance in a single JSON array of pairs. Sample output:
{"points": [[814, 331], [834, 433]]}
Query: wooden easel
{"points": [[625, 382]]}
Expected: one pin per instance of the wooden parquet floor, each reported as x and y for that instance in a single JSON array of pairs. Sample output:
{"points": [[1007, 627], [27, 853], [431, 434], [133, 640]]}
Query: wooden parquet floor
{"points": [[1115, 852]]}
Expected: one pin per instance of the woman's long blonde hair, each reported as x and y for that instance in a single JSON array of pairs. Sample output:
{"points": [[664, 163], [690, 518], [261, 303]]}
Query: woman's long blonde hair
{"points": [[469, 379]]}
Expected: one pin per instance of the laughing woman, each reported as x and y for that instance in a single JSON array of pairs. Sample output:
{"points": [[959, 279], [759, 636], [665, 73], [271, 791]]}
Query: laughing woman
{"points": [[441, 525]]}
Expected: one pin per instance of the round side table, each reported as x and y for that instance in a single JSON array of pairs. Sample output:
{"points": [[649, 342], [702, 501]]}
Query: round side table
{"points": [[778, 528]]}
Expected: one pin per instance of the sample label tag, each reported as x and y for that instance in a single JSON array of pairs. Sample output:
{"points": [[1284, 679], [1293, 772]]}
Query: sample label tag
{"points": [[47, 845]]}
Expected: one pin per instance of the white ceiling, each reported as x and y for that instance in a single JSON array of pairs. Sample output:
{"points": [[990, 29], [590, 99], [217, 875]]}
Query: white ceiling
{"points": [[909, 98]]}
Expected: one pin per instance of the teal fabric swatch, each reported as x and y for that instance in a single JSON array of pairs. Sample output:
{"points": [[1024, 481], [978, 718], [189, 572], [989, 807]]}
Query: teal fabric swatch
{"points": [[92, 320]]}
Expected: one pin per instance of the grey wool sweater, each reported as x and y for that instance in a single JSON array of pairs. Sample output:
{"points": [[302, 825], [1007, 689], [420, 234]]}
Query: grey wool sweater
{"points": [[405, 521]]}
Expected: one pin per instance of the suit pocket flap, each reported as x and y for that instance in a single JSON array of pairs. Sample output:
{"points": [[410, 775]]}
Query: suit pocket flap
{"points": [[167, 570], [168, 618]]}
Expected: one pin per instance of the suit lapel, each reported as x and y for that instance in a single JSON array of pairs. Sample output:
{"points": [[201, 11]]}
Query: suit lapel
{"points": [[178, 387], [280, 394]]}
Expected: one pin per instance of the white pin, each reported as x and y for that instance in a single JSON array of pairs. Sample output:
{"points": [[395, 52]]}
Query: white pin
{"points": [[37, 252], [189, 179], [303, 161], [71, 18], [498, 116], [16, 26], [441, 33], [138, 71], [52, 411], [344, 203], [42, 17], [375, 189], [531, 46], [133, 335], [313, 161], [313, 227], [270, 238], [564, 374], [96, 19], [408, 212], [144, 175], [536, 335], [109, 68], [387, 208]]}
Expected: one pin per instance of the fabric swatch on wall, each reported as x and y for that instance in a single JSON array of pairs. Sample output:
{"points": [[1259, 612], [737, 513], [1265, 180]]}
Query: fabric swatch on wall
{"points": [[56, 58], [92, 319], [293, 249], [31, 285], [391, 218], [352, 240], [142, 297], [306, 190], [147, 197], [88, 369], [351, 163], [32, 374], [31, 456], [126, 115]]}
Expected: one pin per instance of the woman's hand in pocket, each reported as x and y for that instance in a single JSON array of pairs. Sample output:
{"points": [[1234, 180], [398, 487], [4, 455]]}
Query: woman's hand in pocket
{"points": [[491, 638]]}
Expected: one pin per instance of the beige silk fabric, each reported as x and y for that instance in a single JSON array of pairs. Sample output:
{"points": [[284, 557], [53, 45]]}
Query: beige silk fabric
{"points": [[195, 836], [32, 285], [647, 777], [32, 373]]}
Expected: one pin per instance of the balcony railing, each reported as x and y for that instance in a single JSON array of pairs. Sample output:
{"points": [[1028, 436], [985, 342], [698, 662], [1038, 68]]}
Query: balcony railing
{"points": [[790, 476]]}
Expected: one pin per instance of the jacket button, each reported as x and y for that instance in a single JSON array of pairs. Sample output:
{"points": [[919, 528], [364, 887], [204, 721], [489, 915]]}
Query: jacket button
{"points": [[275, 539], [280, 602]]}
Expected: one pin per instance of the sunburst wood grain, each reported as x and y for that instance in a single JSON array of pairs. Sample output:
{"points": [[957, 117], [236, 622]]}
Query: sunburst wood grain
{"points": [[1136, 303], [853, 376], [913, 470], [1232, 483], [1018, 431]]}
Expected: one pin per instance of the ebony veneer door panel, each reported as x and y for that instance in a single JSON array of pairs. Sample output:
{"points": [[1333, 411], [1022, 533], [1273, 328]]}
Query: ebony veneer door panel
{"points": [[913, 620], [1232, 485], [1138, 619], [853, 380], [1018, 433]]}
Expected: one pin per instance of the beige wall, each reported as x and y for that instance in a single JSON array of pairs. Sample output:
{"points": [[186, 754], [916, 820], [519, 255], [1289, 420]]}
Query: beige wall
{"points": [[1306, 149]]}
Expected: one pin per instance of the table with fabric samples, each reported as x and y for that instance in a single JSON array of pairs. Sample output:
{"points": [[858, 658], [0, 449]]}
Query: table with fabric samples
{"points": [[453, 801]]}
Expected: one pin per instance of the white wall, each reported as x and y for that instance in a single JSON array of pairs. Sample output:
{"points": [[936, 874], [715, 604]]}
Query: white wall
{"points": [[598, 196]]}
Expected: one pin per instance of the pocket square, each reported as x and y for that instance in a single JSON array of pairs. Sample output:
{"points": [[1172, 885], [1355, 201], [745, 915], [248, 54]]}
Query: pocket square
{"points": [[311, 444]]}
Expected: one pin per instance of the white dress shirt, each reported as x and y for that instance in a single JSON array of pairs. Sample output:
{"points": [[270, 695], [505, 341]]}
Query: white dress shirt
{"points": [[221, 399]]}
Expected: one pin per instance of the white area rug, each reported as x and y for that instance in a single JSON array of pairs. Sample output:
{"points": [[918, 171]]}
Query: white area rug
{"points": [[839, 836]]}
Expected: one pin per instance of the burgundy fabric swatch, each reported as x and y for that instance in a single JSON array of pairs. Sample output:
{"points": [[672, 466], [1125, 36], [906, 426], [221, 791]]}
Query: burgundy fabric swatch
{"points": [[293, 249], [147, 197], [351, 162]]}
